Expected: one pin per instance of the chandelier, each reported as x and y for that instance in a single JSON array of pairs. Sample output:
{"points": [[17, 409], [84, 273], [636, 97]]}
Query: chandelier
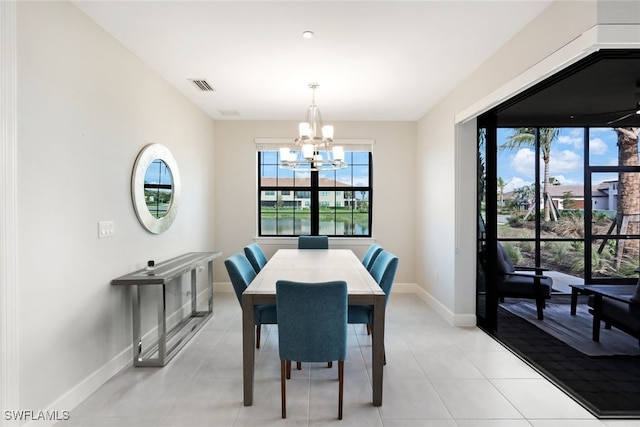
{"points": [[314, 148]]}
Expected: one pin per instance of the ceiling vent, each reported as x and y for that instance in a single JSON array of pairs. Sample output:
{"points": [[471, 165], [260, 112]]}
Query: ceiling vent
{"points": [[203, 85], [229, 112]]}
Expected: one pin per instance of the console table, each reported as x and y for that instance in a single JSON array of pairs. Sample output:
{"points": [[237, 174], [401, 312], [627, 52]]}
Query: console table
{"points": [[168, 342]]}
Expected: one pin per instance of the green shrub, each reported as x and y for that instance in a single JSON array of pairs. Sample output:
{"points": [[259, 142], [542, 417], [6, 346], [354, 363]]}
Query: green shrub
{"points": [[513, 251], [516, 221]]}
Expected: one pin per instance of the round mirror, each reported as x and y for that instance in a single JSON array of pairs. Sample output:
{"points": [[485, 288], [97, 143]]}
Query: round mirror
{"points": [[155, 187]]}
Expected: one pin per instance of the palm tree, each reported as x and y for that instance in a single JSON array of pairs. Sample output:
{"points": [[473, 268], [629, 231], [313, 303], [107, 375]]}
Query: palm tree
{"points": [[526, 137], [524, 195], [501, 184], [628, 209]]}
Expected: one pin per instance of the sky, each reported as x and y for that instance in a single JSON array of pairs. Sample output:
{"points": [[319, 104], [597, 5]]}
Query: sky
{"points": [[517, 168]]}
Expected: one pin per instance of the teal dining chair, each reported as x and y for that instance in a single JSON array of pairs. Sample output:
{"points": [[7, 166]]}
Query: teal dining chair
{"points": [[371, 255], [312, 327], [241, 274], [383, 271], [256, 256], [313, 242]]}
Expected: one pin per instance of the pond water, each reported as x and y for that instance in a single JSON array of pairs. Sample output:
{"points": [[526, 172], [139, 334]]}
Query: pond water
{"points": [[273, 227]]}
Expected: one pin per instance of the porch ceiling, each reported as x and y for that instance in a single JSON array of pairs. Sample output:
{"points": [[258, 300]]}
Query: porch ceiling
{"points": [[596, 90]]}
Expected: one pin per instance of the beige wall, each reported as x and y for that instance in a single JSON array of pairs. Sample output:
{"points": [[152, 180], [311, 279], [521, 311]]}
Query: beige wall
{"points": [[446, 152], [85, 108], [447, 141], [393, 194]]}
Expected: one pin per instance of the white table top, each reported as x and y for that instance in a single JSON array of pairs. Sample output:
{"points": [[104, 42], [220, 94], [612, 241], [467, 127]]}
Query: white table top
{"points": [[315, 265]]}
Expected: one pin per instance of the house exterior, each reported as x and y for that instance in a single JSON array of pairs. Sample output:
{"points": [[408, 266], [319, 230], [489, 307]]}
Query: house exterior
{"points": [[604, 196], [561, 193], [301, 199]]}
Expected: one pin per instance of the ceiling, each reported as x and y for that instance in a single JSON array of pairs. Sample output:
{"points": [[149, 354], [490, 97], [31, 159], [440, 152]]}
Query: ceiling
{"points": [[597, 91], [374, 60]]}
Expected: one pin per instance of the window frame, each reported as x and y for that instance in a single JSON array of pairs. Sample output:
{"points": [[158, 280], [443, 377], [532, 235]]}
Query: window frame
{"points": [[315, 192]]}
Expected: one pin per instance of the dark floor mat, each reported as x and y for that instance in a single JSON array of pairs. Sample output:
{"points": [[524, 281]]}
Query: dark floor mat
{"points": [[574, 330], [608, 386]]}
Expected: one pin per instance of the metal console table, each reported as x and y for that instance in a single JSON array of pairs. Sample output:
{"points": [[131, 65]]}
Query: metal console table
{"points": [[169, 342]]}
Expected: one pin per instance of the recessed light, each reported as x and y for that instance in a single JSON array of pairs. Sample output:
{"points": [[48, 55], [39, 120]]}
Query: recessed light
{"points": [[308, 34]]}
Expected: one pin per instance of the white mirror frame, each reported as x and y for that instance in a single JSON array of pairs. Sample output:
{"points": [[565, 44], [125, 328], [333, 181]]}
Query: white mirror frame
{"points": [[148, 154]]}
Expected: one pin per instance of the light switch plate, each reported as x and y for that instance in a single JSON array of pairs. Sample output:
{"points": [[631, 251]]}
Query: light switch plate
{"points": [[106, 229]]}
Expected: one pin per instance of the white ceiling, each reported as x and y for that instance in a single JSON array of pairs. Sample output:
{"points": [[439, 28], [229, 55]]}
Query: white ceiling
{"points": [[374, 60]]}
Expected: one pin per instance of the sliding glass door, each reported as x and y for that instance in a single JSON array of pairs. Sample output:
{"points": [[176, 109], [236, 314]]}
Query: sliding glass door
{"points": [[564, 199]]}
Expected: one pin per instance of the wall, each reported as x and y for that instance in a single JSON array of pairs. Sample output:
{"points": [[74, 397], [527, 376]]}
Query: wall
{"points": [[393, 181], [446, 237], [86, 106]]}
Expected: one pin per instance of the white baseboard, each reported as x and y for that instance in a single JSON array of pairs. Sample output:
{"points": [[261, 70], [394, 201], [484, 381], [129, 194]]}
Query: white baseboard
{"points": [[85, 388], [222, 287], [461, 320]]}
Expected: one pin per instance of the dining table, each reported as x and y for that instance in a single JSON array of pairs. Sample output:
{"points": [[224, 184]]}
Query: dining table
{"points": [[313, 266]]}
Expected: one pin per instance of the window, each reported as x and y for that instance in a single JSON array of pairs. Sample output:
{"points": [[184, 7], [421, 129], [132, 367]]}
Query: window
{"points": [[332, 203]]}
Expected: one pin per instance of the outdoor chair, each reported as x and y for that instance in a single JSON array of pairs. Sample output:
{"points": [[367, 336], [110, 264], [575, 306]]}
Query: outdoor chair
{"points": [[312, 327], [513, 282]]}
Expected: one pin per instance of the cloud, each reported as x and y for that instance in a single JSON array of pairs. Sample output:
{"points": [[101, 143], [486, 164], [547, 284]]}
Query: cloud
{"points": [[564, 161], [515, 182], [523, 162], [567, 181], [360, 181], [575, 139], [597, 146], [593, 131]]}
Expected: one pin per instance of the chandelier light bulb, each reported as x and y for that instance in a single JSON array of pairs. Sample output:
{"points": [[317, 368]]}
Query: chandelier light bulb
{"points": [[327, 132], [307, 151], [304, 130], [338, 153], [307, 155], [285, 154]]}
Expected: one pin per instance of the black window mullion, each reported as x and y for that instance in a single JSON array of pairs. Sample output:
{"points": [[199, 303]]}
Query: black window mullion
{"points": [[314, 191], [315, 204]]}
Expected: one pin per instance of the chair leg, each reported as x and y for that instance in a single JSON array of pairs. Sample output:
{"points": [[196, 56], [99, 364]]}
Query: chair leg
{"points": [[298, 365], [368, 329], [329, 364], [283, 386], [258, 328], [288, 369], [539, 307], [340, 386]]}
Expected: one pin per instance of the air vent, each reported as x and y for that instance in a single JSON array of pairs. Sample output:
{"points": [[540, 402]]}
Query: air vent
{"points": [[203, 85], [229, 112]]}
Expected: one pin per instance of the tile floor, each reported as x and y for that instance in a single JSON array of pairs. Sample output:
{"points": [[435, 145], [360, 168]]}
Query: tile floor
{"points": [[436, 376]]}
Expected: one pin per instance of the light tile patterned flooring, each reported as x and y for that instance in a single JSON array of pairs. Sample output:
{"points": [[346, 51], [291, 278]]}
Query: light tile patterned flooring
{"points": [[436, 376]]}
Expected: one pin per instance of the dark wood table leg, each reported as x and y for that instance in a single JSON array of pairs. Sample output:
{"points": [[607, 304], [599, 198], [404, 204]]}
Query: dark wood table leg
{"points": [[574, 300], [597, 313], [377, 348], [248, 354]]}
